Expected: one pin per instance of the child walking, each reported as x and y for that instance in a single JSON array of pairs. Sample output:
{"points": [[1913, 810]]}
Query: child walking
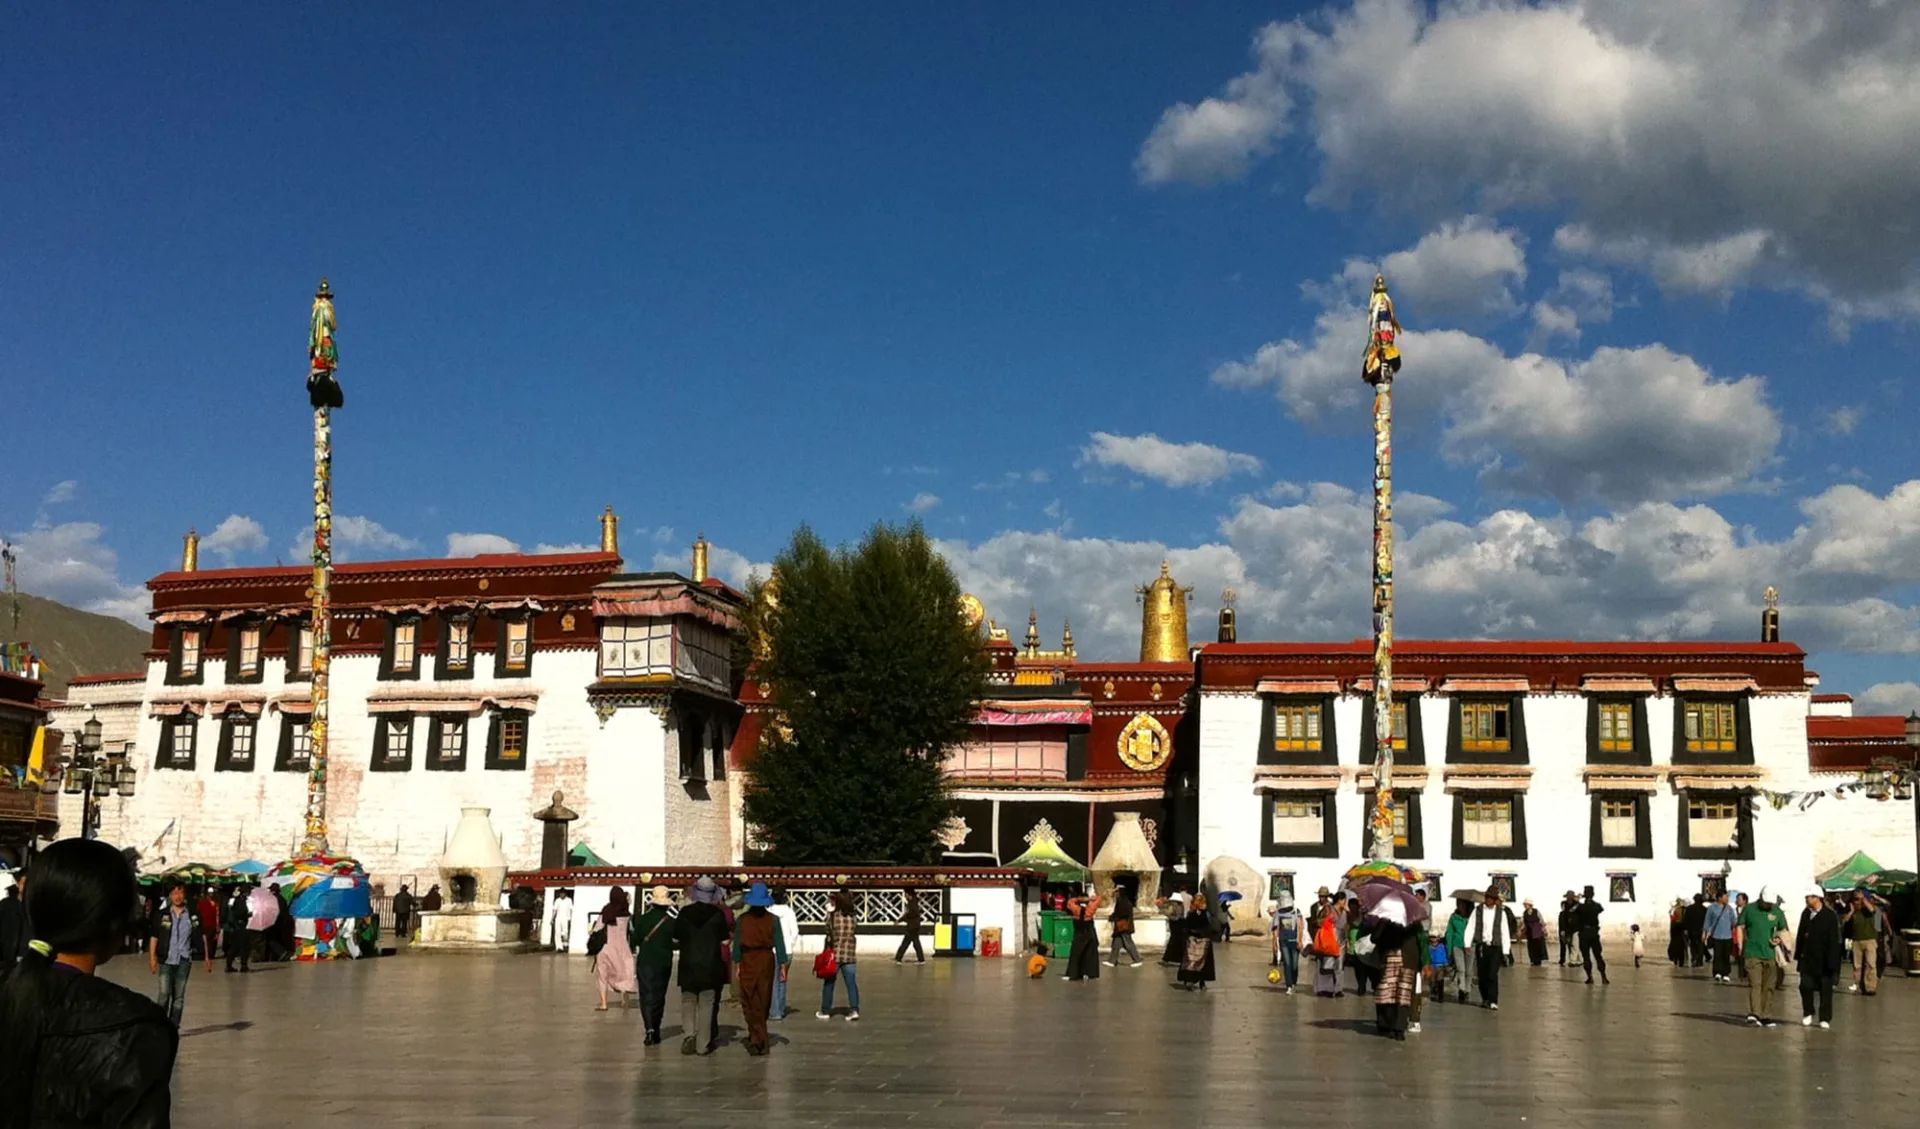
{"points": [[1639, 946]]}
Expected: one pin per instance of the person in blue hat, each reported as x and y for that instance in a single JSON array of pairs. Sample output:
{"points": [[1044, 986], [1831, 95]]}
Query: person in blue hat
{"points": [[759, 949]]}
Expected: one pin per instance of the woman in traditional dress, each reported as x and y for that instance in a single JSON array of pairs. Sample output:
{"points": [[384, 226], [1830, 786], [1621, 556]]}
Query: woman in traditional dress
{"points": [[613, 967], [1196, 954], [1403, 955], [1535, 927]]}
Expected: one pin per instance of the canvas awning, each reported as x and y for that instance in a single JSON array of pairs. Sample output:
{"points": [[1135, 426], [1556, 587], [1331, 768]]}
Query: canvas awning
{"points": [[1046, 857], [1850, 874]]}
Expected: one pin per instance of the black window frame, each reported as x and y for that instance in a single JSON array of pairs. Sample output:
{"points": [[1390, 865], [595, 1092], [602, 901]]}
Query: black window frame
{"points": [[230, 721], [166, 756], [175, 649], [1642, 847], [1742, 752], [1642, 751], [442, 667], [500, 667], [690, 728], [388, 672], [495, 724], [1517, 851], [1329, 751], [295, 627], [383, 759], [1742, 849], [1327, 848], [234, 631], [283, 759], [1416, 751], [437, 760], [1516, 752], [1416, 845]]}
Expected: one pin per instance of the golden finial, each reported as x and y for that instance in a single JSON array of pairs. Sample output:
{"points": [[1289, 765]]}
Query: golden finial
{"points": [[700, 548], [190, 559], [1066, 639], [609, 531], [1163, 618], [972, 610], [1033, 631], [1772, 598], [1770, 618]]}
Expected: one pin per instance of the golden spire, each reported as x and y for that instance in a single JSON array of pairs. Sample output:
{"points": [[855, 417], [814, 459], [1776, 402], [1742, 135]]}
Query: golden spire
{"points": [[1163, 618], [1229, 626], [1770, 617], [1033, 631], [190, 559], [609, 532], [1066, 640], [700, 548]]}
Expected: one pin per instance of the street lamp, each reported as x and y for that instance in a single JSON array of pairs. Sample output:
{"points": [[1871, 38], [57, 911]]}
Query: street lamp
{"points": [[94, 773]]}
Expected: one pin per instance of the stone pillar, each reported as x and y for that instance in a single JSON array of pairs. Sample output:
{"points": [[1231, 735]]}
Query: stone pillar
{"points": [[553, 837]]}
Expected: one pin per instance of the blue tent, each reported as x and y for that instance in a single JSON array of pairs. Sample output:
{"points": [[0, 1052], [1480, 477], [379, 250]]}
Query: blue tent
{"points": [[337, 897], [250, 867]]}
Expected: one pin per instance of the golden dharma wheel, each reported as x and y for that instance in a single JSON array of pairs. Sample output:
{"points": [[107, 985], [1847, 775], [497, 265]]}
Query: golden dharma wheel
{"points": [[972, 610]]}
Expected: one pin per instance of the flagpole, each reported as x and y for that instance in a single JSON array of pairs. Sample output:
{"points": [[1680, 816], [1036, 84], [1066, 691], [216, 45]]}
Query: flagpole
{"points": [[1382, 362], [324, 393]]}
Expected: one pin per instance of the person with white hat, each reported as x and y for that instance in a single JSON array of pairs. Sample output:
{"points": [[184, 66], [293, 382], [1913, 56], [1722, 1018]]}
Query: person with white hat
{"points": [[1819, 955], [1763, 929], [650, 935]]}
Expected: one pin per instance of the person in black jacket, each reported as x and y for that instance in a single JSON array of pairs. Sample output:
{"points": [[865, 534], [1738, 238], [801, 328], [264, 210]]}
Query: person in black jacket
{"points": [[1819, 955], [1569, 925], [1694, 923], [77, 1050], [15, 930], [1589, 912], [233, 919]]}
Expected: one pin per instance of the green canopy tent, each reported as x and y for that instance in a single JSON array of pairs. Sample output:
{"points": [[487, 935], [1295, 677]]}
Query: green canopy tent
{"points": [[583, 855], [1890, 881], [1851, 874], [1046, 857]]}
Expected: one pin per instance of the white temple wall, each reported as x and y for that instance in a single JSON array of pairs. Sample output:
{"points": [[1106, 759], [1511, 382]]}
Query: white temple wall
{"points": [[622, 812]]}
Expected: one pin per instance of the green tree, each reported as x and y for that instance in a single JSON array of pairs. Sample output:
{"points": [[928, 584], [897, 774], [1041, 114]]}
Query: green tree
{"points": [[876, 675]]}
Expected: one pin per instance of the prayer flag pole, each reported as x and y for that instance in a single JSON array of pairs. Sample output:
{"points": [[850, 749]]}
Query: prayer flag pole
{"points": [[324, 393], [1382, 362]]}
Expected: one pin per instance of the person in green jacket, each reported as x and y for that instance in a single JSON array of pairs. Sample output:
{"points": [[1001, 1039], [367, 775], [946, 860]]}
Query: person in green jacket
{"points": [[1763, 929], [650, 936], [1459, 954]]}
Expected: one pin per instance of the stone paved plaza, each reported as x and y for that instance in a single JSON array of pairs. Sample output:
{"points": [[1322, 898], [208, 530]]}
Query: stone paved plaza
{"points": [[513, 1041]]}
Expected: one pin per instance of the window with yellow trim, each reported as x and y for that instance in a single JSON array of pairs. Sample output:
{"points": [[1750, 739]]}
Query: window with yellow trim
{"points": [[1487, 823], [1485, 728], [1297, 728], [1709, 727], [1616, 727]]}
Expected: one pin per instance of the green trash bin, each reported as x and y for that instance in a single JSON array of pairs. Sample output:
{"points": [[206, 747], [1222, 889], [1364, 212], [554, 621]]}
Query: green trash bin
{"points": [[1056, 931]]}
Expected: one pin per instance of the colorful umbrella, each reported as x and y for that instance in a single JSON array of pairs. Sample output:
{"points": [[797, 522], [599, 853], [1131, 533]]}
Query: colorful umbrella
{"points": [[194, 874], [1384, 899], [1382, 868]]}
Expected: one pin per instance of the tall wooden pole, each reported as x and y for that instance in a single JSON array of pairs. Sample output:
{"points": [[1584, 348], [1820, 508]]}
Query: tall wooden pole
{"points": [[1382, 361], [324, 393]]}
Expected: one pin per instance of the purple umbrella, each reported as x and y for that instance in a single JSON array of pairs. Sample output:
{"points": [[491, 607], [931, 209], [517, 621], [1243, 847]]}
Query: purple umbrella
{"points": [[1387, 900]]}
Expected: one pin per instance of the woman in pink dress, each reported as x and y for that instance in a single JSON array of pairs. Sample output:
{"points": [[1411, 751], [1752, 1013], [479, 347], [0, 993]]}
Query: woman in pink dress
{"points": [[613, 966]]}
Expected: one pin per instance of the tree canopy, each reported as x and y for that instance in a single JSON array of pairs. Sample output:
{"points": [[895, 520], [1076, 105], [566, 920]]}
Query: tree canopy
{"points": [[875, 675]]}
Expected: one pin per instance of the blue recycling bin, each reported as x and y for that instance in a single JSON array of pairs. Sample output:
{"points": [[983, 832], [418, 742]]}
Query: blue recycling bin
{"points": [[958, 936]]}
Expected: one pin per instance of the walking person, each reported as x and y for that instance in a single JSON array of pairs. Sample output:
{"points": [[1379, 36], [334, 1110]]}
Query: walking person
{"points": [[76, 1049], [1591, 953], [1422, 963], [1287, 928], [1677, 933], [613, 968], [1719, 933], [843, 939], [1694, 924], [1120, 921], [1762, 929], [1740, 903], [700, 933], [1403, 953], [759, 954], [403, 915], [1366, 967], [1328, 926], [1863, 929], [1534, 925], [206, 915], [1083, 959], [1568, 925], [790, 939], [236, 942], [913, 918], [650, 935], [263, 913], [1460, 958], [1196, 948], [1818, 954], [170, 946], [1494, 928]]}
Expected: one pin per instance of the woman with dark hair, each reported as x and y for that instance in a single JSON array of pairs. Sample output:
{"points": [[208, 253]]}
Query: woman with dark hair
{"points": [[613, 967], [843, 939], [75, 1049]]}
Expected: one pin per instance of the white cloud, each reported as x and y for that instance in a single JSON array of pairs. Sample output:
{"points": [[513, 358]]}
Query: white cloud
{"points": [[353, 534], [236, 534], [729, 565], [547, 550], [1649, 571], [1713, 269], [922, 502], [1658, 128], [1220, 138], [69, 563], [1888, 698], [1622, 426], [1844, 419], [1171, 464], [479, 544], [62, 491], [1466, 268]]}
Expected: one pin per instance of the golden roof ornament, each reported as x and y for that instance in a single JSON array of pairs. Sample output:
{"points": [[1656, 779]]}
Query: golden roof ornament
{"points": [[190, 557], [1229, 620], [1033, 631], [1770, 618], [700, 557], [972, 611], [1066, 640], [609, 531], [1163, 618]]}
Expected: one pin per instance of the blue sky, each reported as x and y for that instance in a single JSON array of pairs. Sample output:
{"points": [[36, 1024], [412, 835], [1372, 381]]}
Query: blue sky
{"points": [[732, 271]]}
